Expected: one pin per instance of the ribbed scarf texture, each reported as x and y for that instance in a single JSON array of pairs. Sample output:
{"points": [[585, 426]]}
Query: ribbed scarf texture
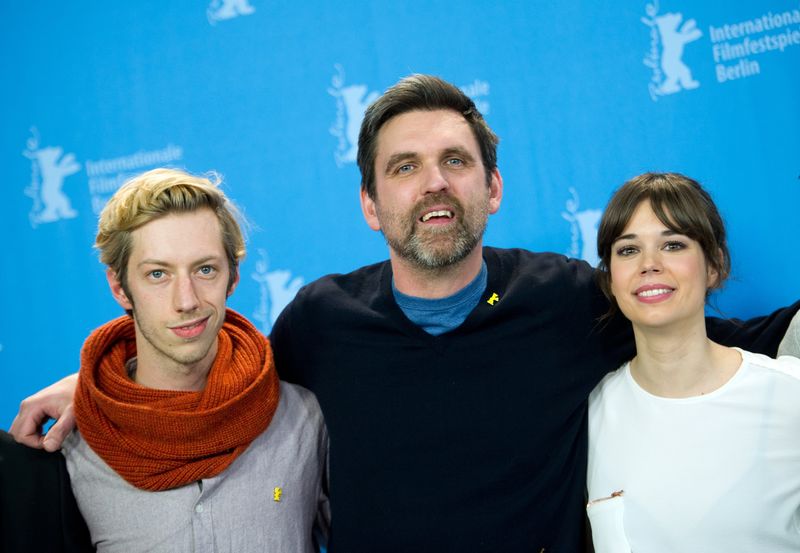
{"points": [[163, 439]]}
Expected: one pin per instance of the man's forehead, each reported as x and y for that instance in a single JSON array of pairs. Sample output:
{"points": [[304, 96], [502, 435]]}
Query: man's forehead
{"points": [[178, 235], [423, 130]]}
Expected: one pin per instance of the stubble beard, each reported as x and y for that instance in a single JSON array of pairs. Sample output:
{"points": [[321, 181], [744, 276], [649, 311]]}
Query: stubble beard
{"points": [[434, 248], [185, 360]]}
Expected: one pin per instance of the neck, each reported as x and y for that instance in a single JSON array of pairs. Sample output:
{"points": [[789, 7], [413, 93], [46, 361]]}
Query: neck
{"points": [[421, 282], [160, 374], [681, 363]]}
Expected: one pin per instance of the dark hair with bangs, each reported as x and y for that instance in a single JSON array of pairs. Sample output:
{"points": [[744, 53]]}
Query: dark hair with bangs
{"points": [[681, 204]]}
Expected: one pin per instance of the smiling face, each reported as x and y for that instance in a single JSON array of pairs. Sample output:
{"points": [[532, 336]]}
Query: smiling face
{"points": [[658, 277], [432, 200], [177, 279]]}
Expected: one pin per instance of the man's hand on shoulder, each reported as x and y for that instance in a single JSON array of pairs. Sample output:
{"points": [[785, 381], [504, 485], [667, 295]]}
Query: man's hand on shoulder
{"points": [[54, 402]]}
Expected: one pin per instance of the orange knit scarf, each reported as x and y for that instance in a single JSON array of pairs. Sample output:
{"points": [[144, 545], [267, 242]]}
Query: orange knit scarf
{"points": [[162, 439]]}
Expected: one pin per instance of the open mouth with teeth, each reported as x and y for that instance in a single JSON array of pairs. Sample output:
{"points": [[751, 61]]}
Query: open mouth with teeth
{"points": [[439, 214], [654, 292]]}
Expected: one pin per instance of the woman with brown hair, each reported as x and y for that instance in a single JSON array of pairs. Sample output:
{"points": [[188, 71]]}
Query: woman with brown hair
{"points": [[694, 447]]}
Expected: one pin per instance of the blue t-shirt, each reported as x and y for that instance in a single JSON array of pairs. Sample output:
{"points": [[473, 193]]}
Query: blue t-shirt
{"points": [[437, 316]]}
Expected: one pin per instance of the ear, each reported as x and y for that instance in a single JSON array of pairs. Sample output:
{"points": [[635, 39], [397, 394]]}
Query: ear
{"points": [[495, 191], [117, 291], [234, 283], [369, 210], [712, 275]]}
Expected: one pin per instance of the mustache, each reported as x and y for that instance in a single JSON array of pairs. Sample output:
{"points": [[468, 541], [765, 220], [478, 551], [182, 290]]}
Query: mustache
{"points": [[438, 199]]}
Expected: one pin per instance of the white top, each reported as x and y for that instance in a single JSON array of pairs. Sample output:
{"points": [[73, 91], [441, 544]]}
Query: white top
{"points": [[717, 472], [269, 499]]}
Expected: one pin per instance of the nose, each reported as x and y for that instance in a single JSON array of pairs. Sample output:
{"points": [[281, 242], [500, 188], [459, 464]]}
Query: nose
{"points": [[184, 295], [435, 180], [650, 262]]}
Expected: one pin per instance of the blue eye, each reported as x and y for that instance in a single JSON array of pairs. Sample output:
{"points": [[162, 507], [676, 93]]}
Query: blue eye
{"points": [[157, 274], [405, 168], [207, 270], [455, 162]]}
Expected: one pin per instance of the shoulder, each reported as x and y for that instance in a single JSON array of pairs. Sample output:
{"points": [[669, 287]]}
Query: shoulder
{"points": [[611, 403], [35, 491], [296, 425], [336, 294], [27, 473], [543, 270], [300, 400], [540, 264], [790, 345], [15, 456], [86, 467], [300, 407], [785, 368], [323, 302], [353, 284], [612, 384], [768, 389]]}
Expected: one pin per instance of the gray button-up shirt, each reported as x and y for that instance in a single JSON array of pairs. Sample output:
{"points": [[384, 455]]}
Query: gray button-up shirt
{"points": [[269, 499]]}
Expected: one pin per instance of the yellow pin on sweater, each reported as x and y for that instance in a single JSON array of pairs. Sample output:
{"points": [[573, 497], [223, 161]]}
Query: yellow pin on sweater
{"points": [[276, 494]]}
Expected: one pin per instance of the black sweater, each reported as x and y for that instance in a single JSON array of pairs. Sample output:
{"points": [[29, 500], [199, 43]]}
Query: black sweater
{"points": [[37, 509], [474, 440]]}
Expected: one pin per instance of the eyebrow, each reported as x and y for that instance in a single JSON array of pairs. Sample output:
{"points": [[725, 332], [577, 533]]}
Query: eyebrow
{"points": [[461, 152], [161, 263], [631, 236], [394, 159]]}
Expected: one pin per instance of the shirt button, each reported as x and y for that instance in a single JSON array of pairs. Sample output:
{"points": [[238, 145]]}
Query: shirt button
{"points": [[198, 508]]}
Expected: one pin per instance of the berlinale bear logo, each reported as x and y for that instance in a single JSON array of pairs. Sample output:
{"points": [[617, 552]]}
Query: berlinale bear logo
{"points": [[351, 102], [275, 290], [219, 10], [583, 224], [49, 167], [667, 42]]}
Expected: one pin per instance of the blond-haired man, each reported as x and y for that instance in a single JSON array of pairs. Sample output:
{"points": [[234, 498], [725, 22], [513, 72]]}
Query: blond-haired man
{"points": [[186, 439]]}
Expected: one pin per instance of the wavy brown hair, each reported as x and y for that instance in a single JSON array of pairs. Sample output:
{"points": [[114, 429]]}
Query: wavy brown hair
{"points": [[681, 204]]}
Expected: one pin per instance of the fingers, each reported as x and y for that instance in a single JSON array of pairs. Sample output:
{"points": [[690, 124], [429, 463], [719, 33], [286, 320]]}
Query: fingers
{"points": [[27, 428], [54, 402], [60, 430]]}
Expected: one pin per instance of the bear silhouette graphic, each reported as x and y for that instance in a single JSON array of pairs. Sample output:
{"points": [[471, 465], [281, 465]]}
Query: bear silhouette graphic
{"points": [[677, 74], [355, 100], [220, 10], [54, 169]]}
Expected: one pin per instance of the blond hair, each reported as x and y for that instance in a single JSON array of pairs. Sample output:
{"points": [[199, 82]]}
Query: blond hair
{"points": [[154, 194]]}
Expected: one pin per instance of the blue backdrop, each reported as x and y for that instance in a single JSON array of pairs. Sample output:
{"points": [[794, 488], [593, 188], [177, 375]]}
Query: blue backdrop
{"points": [[583, 95]]}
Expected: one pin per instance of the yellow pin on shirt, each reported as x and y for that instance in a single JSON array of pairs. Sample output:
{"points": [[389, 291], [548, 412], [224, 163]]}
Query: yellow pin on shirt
{"points": [[276, 494], [493, 298]]}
